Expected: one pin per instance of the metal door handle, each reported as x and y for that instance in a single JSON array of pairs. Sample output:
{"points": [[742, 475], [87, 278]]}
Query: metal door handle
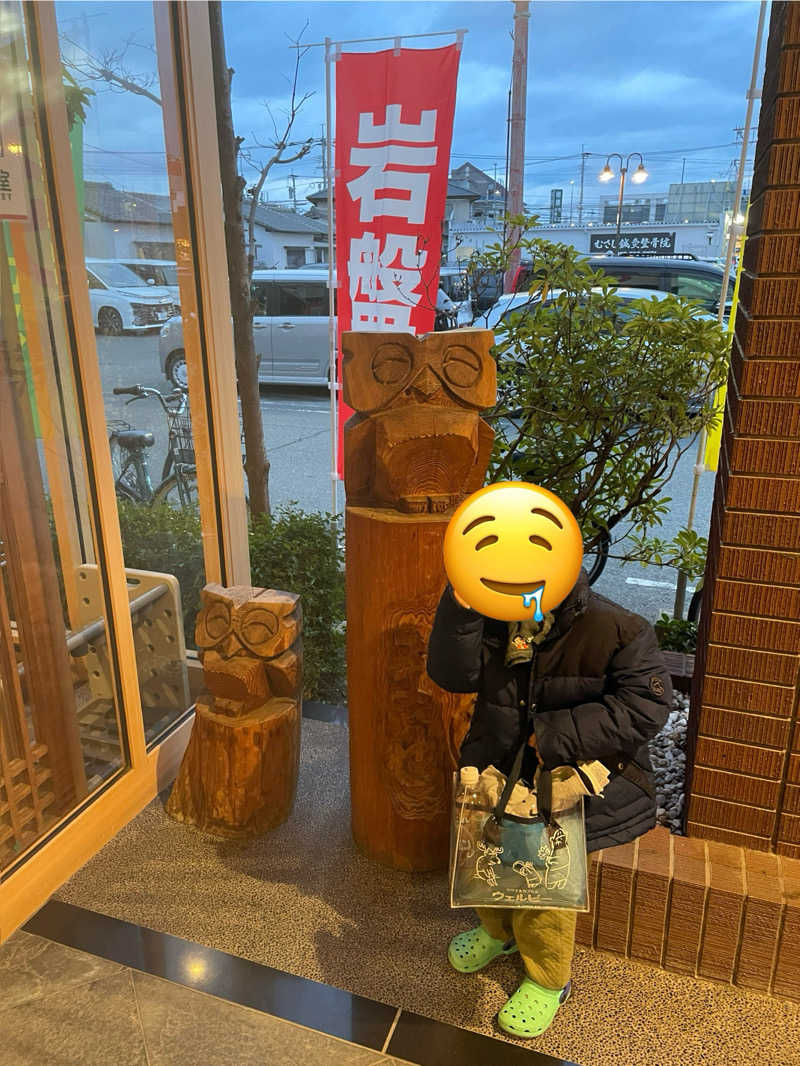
{"points": [[286, 325], [259, 325]]}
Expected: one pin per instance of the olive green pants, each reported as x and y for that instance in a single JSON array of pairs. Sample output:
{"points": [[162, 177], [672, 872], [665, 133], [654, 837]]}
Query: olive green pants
{"points": [[545, 938]]}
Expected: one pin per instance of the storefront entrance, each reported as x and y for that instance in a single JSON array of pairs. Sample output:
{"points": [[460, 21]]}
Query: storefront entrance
{"points": [[97, 596]]}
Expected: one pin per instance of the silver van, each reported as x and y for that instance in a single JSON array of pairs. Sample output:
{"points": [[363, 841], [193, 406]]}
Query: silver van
{"points": [[290, 330]]}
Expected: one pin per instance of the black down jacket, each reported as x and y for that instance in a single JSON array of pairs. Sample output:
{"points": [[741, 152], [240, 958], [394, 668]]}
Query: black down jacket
{"points": [[597, 687]]}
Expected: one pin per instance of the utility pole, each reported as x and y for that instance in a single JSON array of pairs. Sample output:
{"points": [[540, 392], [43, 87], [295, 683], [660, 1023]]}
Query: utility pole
{"points": [[584, 157], [293, 190], [519, 89], [506, 174]]}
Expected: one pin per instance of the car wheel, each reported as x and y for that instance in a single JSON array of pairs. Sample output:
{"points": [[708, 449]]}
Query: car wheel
{"points": [[109, 321], [176, 369]]}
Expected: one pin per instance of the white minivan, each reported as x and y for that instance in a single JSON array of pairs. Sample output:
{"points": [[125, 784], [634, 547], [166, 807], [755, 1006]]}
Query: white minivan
{"points": [[164, 274], [123, 301], [290, 330]]}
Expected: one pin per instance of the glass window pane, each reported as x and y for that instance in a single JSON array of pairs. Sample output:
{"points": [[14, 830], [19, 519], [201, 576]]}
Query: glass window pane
{"points": [[62, 733], [302, 298], [129, 244], [696, 287]]}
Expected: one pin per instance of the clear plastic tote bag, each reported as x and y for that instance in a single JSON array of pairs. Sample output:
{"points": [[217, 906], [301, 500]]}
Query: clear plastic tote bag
{"points": [[502, 860]]}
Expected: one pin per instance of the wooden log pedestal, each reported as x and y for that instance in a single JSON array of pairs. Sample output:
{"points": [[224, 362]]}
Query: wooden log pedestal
{"points": [[239, 772], [405, 731], [415, 447]]}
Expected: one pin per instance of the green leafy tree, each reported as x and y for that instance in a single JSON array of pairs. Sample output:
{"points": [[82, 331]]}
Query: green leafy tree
{"points": [[598, 399]]}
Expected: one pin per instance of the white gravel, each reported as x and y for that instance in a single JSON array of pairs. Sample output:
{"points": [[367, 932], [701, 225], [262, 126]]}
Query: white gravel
{"points": [[668, 756]]}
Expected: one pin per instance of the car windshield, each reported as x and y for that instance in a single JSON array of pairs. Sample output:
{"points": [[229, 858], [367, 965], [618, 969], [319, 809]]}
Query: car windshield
{"points": [[503, 310], [161, 273], [117, 276], [455, 285]]}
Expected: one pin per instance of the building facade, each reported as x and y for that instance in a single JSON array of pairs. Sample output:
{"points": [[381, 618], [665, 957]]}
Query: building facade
{"points": [[123, 224]]}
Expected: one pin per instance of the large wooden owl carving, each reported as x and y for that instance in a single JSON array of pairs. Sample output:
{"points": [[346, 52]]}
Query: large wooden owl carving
{"points": [[417, 442]]}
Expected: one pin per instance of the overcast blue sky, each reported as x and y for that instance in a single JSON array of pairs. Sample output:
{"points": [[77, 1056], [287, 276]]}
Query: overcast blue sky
{"points": [[664, 78]]}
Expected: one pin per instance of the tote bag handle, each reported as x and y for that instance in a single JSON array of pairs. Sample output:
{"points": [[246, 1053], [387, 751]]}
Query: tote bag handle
{"points": [[544, 790]]}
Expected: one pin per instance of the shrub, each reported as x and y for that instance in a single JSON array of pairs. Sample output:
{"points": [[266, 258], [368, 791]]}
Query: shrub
{"points": [[676, 634], [292, 550], [166, 539], [303, 553], [598, 401]]}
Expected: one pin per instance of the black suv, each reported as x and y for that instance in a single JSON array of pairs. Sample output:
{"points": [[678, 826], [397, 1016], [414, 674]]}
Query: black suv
{"points": [[686, 277]]}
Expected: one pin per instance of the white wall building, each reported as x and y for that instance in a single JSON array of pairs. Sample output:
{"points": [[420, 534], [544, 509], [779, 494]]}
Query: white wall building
{"points": [[121, 224], [704, 240]]}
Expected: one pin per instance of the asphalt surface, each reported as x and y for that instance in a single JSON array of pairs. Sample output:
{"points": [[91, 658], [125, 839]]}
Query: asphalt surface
{"points": [[297, 435]]}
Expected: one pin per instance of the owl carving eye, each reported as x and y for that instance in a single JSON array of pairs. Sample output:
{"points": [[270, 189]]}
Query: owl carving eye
{"points": [[213, 625], [257, 628], [461, 366], [391, 364]]}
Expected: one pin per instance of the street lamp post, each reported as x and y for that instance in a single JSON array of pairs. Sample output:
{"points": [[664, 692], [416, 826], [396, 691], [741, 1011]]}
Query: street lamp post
{"points": [[606, 174]]}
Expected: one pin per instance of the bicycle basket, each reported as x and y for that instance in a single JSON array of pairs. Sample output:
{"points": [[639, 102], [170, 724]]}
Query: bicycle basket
{"points": [[183, 440]]}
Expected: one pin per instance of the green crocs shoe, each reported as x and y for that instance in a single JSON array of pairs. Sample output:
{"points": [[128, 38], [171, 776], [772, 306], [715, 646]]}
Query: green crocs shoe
{"points": [[471, 951], [531, 1010]]}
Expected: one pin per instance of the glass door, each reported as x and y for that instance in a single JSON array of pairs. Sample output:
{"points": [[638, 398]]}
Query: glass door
{"points": [[100, 573]]}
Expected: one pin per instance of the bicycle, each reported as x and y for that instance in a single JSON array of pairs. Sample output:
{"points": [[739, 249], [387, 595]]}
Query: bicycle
{"points": [[132, 481]]}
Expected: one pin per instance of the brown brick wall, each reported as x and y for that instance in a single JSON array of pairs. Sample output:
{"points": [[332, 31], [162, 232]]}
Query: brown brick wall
{"points": [[698, 907], [743, 782]]}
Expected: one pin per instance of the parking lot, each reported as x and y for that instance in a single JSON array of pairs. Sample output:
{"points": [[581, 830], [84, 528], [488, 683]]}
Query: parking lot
{"points": [[297, 435]]}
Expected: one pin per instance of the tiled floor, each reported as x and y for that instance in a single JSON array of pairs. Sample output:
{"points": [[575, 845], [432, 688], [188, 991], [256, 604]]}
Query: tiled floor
{"points": [[297, 934], [60, 1005], [64, 1006]]}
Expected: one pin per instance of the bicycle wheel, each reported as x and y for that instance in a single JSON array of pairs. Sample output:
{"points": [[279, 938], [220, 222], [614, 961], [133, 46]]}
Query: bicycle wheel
{"points": [[178, 491], [693, 614], [595, 561], [126, 476]]}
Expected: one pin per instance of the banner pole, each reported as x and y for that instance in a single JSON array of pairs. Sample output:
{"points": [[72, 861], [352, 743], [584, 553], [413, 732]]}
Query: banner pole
{"points": [[332, 382]]}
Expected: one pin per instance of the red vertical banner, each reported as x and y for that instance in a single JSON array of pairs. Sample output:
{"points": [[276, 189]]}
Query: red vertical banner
{"points": [[394, 127]]}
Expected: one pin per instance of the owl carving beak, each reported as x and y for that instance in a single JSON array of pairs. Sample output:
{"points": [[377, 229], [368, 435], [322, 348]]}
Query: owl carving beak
{"points": [[229, 647], [425, 384]]}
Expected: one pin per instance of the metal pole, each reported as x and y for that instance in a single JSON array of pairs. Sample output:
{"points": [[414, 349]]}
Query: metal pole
{"points": [[333, 384], [753, 94], [505, 183], [580, 198], [369, 40], [622, 173], [519, 82]]}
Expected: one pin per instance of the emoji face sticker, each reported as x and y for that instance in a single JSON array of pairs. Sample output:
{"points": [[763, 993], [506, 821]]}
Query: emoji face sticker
{"points": [[513, 551]]}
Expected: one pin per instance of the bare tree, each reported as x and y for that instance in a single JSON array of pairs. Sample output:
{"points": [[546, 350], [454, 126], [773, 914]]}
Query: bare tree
{"points": [[241, 254], [114, 68]]}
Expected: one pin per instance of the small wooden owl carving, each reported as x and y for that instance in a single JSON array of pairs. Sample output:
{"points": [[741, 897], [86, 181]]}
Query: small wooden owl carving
{"points": [[417, 442], [249, 643], [239, 771]]}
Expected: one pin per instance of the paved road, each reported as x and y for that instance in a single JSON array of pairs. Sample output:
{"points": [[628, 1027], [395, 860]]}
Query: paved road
{"points": [[297, 433], [296, 422]]}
